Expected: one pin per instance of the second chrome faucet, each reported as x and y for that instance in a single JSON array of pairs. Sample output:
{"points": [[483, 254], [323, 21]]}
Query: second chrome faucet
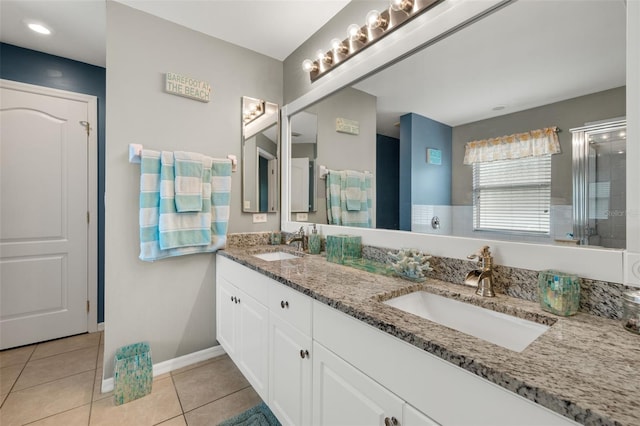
{"points": [[482, 278]]}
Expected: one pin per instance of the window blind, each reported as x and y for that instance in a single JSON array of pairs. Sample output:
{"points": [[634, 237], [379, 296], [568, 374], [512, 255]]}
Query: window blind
{"points": [[512, 195]]}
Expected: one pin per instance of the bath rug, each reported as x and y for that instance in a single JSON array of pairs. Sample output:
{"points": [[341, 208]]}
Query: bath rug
{"points": [[260, 415]]}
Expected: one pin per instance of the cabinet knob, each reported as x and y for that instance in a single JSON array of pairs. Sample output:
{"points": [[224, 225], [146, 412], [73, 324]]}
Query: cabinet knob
{"points": [[390, 421], [284, 304], [233, 299], [304, 353]]}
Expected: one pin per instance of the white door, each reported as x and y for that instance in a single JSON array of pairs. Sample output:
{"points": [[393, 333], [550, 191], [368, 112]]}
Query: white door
{"points": [[342, 395], [43, 215], [226, 318], [254, 343], [299, 184], [290, 373]]}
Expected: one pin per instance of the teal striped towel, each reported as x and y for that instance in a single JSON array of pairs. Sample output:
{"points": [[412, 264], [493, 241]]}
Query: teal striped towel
{"points": [[219, 180], [334, 188], [337, 211], [189, 178]]}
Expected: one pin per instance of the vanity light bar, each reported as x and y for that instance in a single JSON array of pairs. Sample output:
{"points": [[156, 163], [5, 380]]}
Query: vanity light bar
{"points": [[378, 25]]}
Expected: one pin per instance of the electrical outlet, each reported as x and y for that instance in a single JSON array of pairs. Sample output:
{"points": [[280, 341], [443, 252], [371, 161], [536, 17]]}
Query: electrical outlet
{"points": [[302, 217], [259, 218]]}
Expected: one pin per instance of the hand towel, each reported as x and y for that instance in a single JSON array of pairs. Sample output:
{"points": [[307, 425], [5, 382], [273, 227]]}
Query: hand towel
{"points": [[353, 187], [180, 229], [188, 168]]}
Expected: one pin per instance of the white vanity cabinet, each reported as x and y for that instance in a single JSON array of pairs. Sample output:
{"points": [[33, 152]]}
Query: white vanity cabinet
{"points": [[290, 354], [242, 321], [315, 365]]}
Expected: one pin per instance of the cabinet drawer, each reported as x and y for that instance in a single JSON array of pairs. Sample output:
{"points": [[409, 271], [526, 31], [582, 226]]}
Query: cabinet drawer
{"points": [[251, 282], [290, 305]]}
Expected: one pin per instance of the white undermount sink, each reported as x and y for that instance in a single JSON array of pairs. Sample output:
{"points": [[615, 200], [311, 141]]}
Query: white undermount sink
{"points": [[504, 330], [276, 255]]}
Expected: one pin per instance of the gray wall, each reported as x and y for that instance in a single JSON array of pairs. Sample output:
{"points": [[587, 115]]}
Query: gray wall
{"points": [[340, 151], [298, 82], [566, 115], [169, 303]]}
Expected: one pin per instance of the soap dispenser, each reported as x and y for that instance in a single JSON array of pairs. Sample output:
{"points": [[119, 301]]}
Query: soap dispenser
{"points": [[314, 241]]}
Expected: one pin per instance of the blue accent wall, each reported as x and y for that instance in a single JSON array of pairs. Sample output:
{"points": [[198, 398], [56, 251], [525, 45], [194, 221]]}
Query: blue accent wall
{"points": [[420, 182], [387, 182], [29, 66]]}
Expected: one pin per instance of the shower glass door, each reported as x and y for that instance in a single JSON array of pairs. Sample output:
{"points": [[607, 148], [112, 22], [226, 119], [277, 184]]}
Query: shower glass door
{"points": [[599, 184]]}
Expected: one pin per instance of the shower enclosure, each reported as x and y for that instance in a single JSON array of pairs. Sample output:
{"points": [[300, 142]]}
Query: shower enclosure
{"points": [[599, 184]]}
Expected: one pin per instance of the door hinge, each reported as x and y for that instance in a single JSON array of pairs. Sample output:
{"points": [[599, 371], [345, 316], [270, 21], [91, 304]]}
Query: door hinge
{"points": [[88, 306], [88, 217]]}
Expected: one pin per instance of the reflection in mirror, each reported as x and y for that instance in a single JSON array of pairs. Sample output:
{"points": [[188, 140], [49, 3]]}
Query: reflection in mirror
{"points": [[530, 65], [304, 135], [260, 148]]}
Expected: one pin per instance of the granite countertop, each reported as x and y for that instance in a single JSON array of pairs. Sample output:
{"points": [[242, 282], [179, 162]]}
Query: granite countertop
{"points": [[584, 367]]}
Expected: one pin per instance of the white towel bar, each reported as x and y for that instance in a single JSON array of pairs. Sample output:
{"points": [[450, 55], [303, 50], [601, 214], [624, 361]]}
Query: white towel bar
{"points": [[135, 150]]}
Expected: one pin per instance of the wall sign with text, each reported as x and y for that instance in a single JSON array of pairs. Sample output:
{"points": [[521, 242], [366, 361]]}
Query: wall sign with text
{"points": [[188, 87], [434, 156]]}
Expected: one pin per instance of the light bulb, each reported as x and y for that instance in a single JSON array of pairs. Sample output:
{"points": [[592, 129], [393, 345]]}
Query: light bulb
{"points": [[375, 20], [403, 5], [338, 46], [309, 66], [354, 33]]}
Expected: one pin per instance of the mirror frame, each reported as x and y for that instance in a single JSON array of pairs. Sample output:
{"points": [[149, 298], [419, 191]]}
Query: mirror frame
{"points": [[619, 266], [270, 123]]}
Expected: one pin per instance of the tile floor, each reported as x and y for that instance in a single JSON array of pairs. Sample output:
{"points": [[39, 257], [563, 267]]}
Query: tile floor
{"points": [[58, 383]]}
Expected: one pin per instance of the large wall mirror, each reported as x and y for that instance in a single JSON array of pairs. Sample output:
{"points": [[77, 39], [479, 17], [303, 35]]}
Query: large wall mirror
{"points": [[527, 66], [260, 151]]}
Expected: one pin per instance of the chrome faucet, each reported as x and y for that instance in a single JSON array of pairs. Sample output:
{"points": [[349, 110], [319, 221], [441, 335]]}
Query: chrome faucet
{"points": [[483, 278], [298, 236]]}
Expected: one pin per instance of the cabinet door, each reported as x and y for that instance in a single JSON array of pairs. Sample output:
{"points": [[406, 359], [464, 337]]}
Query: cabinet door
{"points": [[253, 338], [226, 316], [413, 417], [290, 373], [342, 395]]}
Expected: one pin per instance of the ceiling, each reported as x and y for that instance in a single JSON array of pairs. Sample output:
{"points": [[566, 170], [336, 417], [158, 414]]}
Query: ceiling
{"points": [[528, 54], [79, 26]]}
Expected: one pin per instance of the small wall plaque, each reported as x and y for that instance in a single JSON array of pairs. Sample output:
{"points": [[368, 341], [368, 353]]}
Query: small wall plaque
{"points": [[351, 127], [434, 156], [187, 87]]}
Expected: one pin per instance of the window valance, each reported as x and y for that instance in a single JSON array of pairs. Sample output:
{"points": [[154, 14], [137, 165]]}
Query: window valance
{"points": [[534, 143]]}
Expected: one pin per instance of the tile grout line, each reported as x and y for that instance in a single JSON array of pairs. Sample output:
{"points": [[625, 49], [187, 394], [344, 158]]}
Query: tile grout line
{"points": [[175, 389], [18, 378], [217, 399], [95, 378]]}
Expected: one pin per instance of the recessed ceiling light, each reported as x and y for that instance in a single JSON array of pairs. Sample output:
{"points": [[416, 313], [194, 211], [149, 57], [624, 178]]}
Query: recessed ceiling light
{"points": [[39, 28]]}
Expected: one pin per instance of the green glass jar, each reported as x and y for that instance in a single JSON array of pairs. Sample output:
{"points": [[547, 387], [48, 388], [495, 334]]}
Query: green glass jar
{"points": [[559, 293], [631, 311]]}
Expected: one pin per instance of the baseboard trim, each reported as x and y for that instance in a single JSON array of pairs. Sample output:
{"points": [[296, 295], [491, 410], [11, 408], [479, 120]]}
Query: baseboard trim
{"points": [[174, 364]]}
